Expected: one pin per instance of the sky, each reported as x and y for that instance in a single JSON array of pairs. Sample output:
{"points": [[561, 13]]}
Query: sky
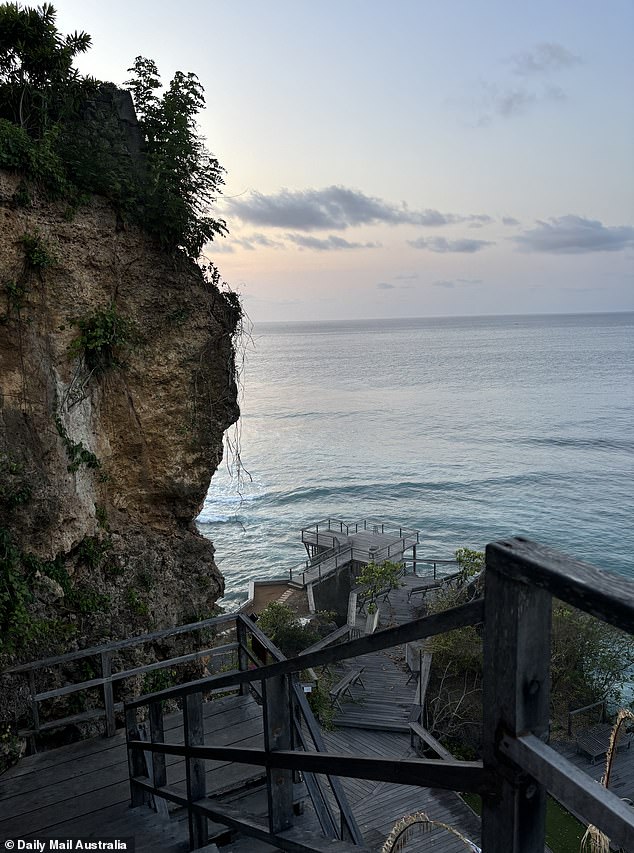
{"points": [[406, 159]]}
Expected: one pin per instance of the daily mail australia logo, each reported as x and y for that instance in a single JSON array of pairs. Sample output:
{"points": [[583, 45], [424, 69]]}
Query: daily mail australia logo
{"points": [[69, 844]]}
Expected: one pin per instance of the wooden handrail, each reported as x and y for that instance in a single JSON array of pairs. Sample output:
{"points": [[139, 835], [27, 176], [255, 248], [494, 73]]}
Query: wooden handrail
{"points": [[108, 678], [517, 767], [427, 626], [452, 775], [118, 645], [609, 597]]}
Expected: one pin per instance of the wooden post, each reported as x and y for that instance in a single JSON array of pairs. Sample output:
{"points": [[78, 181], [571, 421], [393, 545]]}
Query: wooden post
{"points": [[34, 708], [157, 736], [351, 619], [277, 735], [136, 764], [108, 698], [194, 735], [517, 631], [243, 658]]}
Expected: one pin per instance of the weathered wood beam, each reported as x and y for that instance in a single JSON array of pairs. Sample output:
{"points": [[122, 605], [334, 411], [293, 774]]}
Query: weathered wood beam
{"points": [[44, 663], [451, 775], [130, 673], [136, 763], [349, 826], [573, 788], [428, 626], [194, 736], [108, 695], [608, 596], [515, 689], [278, 736], [243, 652], [292, 840]]}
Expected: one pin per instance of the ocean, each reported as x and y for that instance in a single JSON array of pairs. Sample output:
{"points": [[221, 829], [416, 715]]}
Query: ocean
{"points": [[468, 429]]}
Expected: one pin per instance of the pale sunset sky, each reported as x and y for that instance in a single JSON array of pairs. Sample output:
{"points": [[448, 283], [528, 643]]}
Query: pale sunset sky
{"points": [[412, 158]]}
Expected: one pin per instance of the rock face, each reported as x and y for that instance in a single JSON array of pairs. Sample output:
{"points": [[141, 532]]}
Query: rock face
{"points": [[116, 460]]}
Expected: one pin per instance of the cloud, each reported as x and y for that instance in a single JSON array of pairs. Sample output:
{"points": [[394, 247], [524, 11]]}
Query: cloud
{"points": [[384, 285], [478, 220], [222, 247], [406, 276], [571, 235], [543, 59], [508, 101], [335, 208], [330, 243], [253, 240], [510, 220], [513, 102], [450, 284], [441, 244]]}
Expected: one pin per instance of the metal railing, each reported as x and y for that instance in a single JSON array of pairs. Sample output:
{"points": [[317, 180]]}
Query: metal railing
{"points": [[517, 767], [374, 525], [434, 562], [328, 562]]}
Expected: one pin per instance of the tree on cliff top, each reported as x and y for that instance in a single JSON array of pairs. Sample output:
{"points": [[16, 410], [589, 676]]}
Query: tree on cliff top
{"points": [[62, 131], [38, 84], [184, 178]]}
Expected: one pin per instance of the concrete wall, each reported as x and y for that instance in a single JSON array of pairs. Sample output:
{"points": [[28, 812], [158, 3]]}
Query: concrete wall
{"points": [[332, 592]]}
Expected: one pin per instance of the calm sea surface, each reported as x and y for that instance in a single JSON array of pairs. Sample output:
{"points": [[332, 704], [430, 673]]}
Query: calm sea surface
{"points": [[468, 429]]}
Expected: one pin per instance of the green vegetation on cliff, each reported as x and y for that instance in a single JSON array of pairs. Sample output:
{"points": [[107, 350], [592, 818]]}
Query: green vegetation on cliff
{"points": [[72, 136], [74, 361]]}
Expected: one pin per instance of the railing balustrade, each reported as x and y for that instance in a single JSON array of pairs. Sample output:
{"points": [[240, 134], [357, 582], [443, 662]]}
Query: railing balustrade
{"points": [[517, 767], [108, 708]]}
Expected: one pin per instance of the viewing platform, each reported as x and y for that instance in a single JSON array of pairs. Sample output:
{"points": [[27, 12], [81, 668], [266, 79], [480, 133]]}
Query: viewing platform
{"points": [[333, 543]]}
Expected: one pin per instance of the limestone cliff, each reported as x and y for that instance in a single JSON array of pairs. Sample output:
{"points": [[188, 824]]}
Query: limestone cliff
{"points": [[103, 469]]}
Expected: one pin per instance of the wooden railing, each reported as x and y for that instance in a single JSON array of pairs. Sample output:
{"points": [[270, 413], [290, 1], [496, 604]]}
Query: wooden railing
{"points": [[328, 562], [434, 562], [288, 723], [106, 708], [517, 767]]}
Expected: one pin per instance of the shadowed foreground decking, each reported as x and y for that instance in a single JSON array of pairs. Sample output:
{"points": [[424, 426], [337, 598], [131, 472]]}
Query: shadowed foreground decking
{"points": [[83, 789], [517, 770]]}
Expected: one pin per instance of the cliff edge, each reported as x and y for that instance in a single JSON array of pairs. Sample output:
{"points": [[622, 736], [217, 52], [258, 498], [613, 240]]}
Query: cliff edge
{"points": [[116, 386]]}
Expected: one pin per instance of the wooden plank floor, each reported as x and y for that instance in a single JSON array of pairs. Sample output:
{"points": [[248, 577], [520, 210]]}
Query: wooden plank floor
{"points": [[621, 777], [361, 542], [385, 701], [377, 806], [375, 724], [83, 789]]}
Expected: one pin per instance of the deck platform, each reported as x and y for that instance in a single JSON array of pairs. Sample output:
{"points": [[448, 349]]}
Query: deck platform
{"points": [[621, 777], [333, 543]]}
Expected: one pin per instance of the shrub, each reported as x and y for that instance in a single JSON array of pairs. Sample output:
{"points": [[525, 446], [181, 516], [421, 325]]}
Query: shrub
{"points": [[281, 624], [103, 338]]}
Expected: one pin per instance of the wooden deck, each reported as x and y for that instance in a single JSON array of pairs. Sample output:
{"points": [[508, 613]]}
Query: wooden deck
{"points": [[375, 724], [385, 701], [377, 806], [83, 789], [360, 542], [621, 778]]}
